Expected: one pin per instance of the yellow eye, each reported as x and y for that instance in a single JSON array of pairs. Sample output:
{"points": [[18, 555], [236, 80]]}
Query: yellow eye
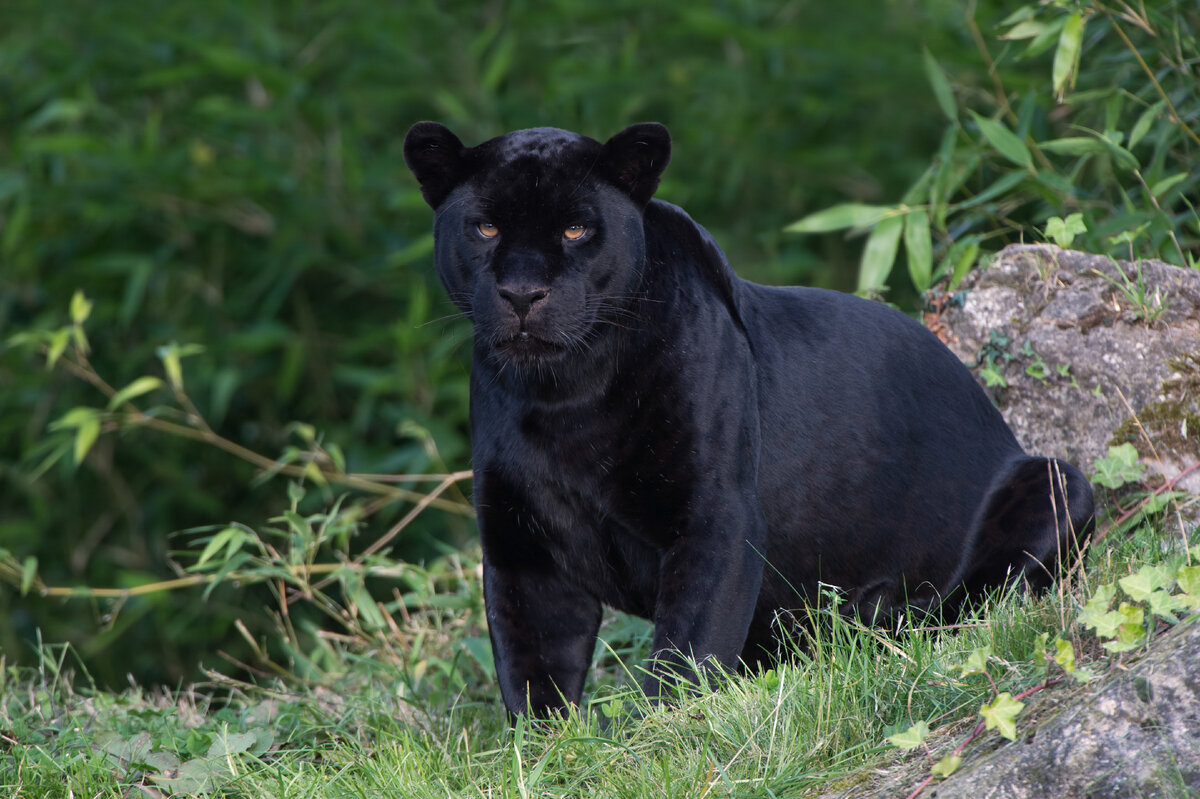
{"points": [[574, 232], [487, 230]]}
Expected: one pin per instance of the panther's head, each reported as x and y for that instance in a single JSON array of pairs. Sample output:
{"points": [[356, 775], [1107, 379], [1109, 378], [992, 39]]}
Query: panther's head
{"points": [[538, 233]]}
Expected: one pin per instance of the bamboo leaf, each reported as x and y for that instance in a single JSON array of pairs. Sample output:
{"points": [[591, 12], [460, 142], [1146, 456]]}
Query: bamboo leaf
{"points": [[1004, 140], [81, 308], [1066, 55], [1074, 145], [85, 436], [941, 86], [840, 217], [919, 248], [28, 574], [1004, 184], [880, 253], [1142, 126], [143, 385]]}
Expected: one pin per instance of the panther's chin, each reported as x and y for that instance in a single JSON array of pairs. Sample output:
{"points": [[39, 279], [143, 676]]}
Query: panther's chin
{"points": [[526, 349]]}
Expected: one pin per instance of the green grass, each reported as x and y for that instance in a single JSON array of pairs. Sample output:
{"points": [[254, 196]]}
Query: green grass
{"points": [[412, 713]]}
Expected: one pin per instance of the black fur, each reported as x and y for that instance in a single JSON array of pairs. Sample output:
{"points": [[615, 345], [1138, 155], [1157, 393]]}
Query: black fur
{"points": [[653, 433]]}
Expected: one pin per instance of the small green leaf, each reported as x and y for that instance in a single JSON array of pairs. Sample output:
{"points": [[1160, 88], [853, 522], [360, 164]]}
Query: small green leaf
{"points": [[1142, 126], [976, 662], [911, 738], [230, 743], [946, 766], [992, 376], [1064, 655], [1131, 631], [1145, 581], [880, 253], [1120, 467], [918, 245], [143, 385], [941, 86], [1066, 55], [1164, 605], [1025, 29], [170, 355], [1166, 184], [840, 217], [368, 611], [1189, 582], [961, 258], [59, 340], [1004, 140], [28, 574], [1063, 231], [1000, 187], [85, 436], [1001, 715], [230, 537], [81, 308]]}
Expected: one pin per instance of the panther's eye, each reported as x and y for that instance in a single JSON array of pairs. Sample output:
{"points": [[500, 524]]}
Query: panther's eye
{"points": [[487, 230], [575, 232]]}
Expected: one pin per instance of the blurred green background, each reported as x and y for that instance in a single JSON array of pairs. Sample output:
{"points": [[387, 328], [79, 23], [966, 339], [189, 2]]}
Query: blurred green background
{"points": [[229, 174]]}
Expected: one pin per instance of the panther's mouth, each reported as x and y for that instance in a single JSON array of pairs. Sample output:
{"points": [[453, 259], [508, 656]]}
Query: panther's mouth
{"points": [[528, 347]]}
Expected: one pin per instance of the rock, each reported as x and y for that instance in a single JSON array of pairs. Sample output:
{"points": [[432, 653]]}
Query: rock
{"points": [[1138, 735], [1092, 352]]}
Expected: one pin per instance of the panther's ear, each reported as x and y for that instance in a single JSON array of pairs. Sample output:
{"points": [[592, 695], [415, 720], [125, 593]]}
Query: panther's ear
{"points": [[635, 158], [434, 155]]}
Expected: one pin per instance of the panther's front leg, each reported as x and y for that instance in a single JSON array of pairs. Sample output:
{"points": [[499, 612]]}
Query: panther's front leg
{"points": [[542, 625], [709, 582]]}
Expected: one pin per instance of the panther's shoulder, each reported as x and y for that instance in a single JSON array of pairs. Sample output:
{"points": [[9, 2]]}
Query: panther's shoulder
{"points": [[677, 244]]}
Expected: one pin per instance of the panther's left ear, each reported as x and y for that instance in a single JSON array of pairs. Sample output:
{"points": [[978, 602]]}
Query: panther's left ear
{"points": [[434, 155], [635, 158]]}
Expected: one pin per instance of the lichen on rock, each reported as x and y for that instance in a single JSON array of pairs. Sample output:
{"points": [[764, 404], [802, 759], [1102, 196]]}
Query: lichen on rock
{"points": [[1101, 352]]}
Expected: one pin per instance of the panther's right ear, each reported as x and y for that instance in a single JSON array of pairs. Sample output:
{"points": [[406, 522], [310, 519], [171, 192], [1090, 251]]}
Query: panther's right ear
{"points": [[434, 155]]}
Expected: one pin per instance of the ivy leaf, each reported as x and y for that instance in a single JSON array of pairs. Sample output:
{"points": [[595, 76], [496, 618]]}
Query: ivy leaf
{"points": [[976, 662], [946, 766], [1164, 605], [1095, 613], [1064, 655], [1001, 715], [911, 738], [1145, 581], [1120, 467], [1189, 583], [992, 376], [1063, 231], [1131, 631]]}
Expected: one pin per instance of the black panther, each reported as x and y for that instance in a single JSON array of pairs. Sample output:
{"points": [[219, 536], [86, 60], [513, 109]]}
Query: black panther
{"points": [[651, 432]]}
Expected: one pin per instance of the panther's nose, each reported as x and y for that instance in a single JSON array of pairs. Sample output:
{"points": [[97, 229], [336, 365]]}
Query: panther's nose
{"points": [[522, 298]]}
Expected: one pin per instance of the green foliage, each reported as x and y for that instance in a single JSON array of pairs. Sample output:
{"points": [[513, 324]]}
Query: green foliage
{"points": [[1108, 132], [221, 189], [1121, 466]]}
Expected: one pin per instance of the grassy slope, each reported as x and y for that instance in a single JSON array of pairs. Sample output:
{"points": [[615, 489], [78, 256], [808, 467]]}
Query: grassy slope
{"points": [[419, 717]]}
